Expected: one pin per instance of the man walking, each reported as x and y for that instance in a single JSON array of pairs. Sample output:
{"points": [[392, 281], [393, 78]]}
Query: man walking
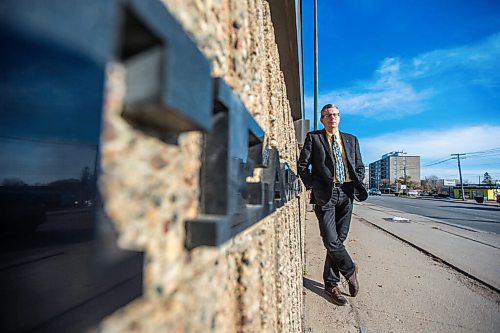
{"points": [[330, 164]]}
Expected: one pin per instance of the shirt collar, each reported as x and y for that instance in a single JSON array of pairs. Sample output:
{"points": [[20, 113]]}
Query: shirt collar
{"points": [[329, 135]]}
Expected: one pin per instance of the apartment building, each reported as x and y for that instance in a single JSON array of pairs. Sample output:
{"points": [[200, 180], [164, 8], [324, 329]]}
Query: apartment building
{"points": [[393, 170]]}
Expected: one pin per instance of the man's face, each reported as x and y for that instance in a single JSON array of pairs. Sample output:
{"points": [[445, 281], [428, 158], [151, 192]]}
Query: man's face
{"points": [[331, 119]]}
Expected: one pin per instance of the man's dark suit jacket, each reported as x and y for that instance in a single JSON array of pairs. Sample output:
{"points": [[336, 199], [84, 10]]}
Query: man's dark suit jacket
{"points": [[318, 153]]}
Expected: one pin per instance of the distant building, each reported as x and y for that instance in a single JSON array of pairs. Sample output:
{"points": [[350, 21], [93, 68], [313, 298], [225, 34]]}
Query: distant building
{"points": [[489, 192], [367, 177], [393, 170]]}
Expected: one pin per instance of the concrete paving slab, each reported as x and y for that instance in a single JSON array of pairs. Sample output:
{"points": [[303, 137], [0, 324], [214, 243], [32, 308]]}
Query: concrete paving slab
{"points": [[474, 253]]}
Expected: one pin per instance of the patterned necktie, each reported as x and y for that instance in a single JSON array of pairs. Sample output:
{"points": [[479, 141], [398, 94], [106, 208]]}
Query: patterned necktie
{"points": [[339, 164]]}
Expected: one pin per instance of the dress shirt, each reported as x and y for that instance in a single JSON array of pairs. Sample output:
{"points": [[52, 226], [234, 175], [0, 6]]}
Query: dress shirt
{"points": [[342, 152]]}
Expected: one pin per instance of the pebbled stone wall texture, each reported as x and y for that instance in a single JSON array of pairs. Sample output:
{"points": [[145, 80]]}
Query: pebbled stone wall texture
{"points": [[252, 283]]}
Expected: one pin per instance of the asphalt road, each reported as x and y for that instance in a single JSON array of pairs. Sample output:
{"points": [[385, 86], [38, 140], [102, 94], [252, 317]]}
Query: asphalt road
{"points": [[476, 216]]}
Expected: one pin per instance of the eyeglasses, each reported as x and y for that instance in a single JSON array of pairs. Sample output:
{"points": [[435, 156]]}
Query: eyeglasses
{"points": [[332, 115]]}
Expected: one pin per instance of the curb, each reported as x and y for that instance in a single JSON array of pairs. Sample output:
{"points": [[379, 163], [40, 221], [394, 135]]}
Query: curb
{"points": [[458, 201]]}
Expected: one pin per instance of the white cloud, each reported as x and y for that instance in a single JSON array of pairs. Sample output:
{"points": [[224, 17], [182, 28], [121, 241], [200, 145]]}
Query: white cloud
{"points": [[434, 145], [388, 96], [392, 90], [481, 59]]}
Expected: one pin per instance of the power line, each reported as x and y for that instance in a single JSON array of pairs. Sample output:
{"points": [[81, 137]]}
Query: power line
{"points": [[437, 162], [485, 155], [492, 150], [439, 159]]}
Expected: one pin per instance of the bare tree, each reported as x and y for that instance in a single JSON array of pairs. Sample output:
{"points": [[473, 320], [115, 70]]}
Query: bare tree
{"points": [[429, 184]]}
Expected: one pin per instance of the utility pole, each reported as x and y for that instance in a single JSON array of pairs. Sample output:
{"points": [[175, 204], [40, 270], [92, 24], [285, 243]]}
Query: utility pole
{"points": [[315, 64], [460, 172]]}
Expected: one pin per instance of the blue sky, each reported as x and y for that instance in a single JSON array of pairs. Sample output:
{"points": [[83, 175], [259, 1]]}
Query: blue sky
{"points": [[422, 76]]}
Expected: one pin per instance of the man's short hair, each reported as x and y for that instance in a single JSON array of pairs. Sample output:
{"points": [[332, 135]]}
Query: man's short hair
{"points": [[328, 106]]}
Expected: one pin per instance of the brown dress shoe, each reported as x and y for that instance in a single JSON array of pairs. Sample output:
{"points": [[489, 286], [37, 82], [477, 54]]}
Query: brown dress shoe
{"points": [[336, 295], [352, 281]]}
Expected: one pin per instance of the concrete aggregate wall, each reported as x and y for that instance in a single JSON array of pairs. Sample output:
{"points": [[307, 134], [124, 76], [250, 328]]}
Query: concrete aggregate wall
{"points": [[252, 283]]}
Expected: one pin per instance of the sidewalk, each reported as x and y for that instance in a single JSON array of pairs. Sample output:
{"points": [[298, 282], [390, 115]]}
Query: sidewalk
{"points": [[402, 288], [476, 254]]}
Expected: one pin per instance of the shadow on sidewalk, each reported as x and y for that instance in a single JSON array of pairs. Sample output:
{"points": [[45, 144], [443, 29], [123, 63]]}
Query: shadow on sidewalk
{"points": [[317, 288]]}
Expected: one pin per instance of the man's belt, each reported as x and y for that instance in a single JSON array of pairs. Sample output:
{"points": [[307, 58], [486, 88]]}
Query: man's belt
{"points": [[337, 184]]}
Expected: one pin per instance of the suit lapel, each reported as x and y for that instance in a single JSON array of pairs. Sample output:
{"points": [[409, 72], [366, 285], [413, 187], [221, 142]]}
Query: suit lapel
{"points": [[326, 144], [347, 147]]}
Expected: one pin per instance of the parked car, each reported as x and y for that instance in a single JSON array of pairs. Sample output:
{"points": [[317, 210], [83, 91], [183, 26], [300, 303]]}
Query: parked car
{"points": [[374, 191]]}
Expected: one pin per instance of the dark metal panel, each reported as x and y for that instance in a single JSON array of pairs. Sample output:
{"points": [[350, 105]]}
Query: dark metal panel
{"points": [[226, 99], [215, 176], [181, 97], [208, 230], [85, 27], [226, 165], [259, 154], [51, 98]]}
